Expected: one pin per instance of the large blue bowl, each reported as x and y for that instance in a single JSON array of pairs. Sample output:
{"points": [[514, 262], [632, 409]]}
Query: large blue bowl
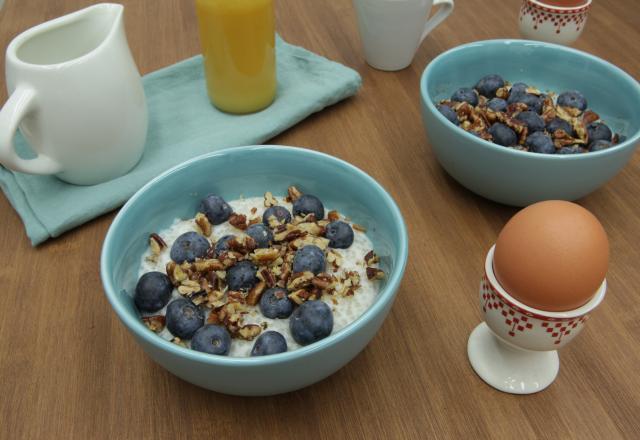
{"points": [[250, 171], [516, 177]]}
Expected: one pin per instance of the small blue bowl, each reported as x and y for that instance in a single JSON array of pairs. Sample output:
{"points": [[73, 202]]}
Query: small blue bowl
{"points": [[250, 171], [520, 178]]}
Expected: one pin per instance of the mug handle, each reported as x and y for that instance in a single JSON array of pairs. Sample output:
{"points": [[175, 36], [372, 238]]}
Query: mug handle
{"points": [[446, 8], [20, 103]]}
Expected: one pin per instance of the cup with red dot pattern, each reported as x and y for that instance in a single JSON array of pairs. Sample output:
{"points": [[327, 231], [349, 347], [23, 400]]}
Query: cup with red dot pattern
{"points": [[553, 21]]}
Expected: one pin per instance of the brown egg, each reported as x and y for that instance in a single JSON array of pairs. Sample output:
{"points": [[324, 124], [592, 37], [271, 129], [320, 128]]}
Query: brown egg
{"points": [[552, 256]]}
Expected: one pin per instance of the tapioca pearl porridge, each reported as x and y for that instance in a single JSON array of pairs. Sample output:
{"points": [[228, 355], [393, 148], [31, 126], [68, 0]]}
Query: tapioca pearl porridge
{"points": [[259, 252]]}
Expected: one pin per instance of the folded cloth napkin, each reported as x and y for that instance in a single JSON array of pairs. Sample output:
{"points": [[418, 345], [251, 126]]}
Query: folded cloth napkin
{"points": [[182, 124]]}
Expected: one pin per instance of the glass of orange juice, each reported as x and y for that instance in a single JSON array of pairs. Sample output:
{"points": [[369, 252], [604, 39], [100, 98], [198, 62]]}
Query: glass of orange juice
{"points": [[238, 46]]}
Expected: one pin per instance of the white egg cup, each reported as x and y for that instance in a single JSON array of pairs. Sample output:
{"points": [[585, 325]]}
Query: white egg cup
{"points": [[554, 24], [515, 349]]}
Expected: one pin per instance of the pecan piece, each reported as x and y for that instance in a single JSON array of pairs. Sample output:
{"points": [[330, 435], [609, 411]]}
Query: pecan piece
{"points": [[333, 216], [203, 224], [208, 265], [358, 227], [255, 293], [374, 273], [371, 258], [154, 323], [268, 277], [299, 280], [269, 200], [249, 332], [175, 273], [293, 194], [264, 256], [238, 220], [156, 243]]}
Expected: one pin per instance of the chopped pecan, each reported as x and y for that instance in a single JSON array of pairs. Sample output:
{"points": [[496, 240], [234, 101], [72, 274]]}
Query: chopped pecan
{"points": [[255, 293], [299, 280], [299, 296], [189, 287], [154, 323], [374, 273], [236, 296], [333, 216], [249, 332], [268, 277], [238, 220], [176, 340], [371, 258], [264, 256], [208, 265], [589, 116], [293, 194], [323, 281], [175, 273], [156, 243], [269, 200], [203, 224]]}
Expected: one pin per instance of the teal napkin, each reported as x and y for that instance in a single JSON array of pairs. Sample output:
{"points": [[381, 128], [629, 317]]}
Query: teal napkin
{"points": [[182, 124]]}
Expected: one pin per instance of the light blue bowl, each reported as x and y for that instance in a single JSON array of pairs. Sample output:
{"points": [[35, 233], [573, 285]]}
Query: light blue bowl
{"points": [[250, 171], [516, 177]]}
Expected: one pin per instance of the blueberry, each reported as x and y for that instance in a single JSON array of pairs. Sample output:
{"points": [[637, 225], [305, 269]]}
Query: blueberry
{"points": [[269, 343], [572, 98], [559, 124], [503, 135], [309, 258], [261, 234], [518, 88], [539, 142], [212, 339], [497, 104], [222, 245], [598, 131], [488, 85], [281, 214], [183, 318], [274, 303], [533, 121], [216, 209], [241, 276], [465, 94], [311, 322], [153, 291], [533, 102], [188, 247], [308, 204], [599, 145], [572, 149], [340, 234], [448, 113]]}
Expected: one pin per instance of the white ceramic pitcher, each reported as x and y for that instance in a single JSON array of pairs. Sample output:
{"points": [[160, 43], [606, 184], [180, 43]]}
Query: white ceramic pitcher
{"points": [[77, 96], [392, 30]]}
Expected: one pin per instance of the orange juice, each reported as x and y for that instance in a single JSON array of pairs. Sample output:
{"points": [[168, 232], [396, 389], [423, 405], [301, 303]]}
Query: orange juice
{"points": [[238, 46]]}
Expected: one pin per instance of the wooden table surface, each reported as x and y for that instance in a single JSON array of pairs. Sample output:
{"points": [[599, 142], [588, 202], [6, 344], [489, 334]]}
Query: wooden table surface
{"points": [[69, 369]]}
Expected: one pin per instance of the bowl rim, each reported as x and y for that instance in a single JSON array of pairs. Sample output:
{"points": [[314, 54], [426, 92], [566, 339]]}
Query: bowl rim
{"points": [[137, 328], [544, 315], [631, 141]]}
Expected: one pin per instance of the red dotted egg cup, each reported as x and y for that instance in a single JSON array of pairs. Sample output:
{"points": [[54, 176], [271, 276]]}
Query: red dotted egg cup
{"points": [[554, 24], [515, 349]]}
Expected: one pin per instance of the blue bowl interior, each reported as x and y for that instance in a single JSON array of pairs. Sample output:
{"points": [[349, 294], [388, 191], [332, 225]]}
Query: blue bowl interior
{"points": [[249, 171], [610, 92]]}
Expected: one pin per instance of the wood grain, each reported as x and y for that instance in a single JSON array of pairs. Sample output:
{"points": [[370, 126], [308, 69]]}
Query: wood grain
{"points": [[69, 369]]}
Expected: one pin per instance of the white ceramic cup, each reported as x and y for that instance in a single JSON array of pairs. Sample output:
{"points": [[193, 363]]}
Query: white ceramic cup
{"points": [[555, 24], [77, 96], [392, 30]]}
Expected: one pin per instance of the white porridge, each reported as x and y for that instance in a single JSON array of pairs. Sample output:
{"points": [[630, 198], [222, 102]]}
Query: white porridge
{"points": [[346, 307]]}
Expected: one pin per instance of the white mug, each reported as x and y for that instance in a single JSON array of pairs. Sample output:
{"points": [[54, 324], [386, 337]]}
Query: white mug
{"points": [[77, 96], [392, 30]]}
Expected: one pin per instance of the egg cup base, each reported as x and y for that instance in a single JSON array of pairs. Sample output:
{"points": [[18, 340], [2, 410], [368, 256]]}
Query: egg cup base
{"points": [[508, 368]]}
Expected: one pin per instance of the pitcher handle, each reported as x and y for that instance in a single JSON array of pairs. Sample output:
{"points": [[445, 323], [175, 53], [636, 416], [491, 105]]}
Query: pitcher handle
{"points": [[20, 103], [446, 8]]}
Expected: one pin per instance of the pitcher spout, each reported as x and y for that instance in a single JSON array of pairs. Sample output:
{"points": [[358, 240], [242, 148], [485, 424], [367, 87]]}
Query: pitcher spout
{"points": [[68, 38]]}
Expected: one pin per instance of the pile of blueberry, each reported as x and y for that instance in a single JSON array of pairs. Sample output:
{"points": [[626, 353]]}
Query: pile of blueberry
{"points": [[308, 323], [504, 109]]}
